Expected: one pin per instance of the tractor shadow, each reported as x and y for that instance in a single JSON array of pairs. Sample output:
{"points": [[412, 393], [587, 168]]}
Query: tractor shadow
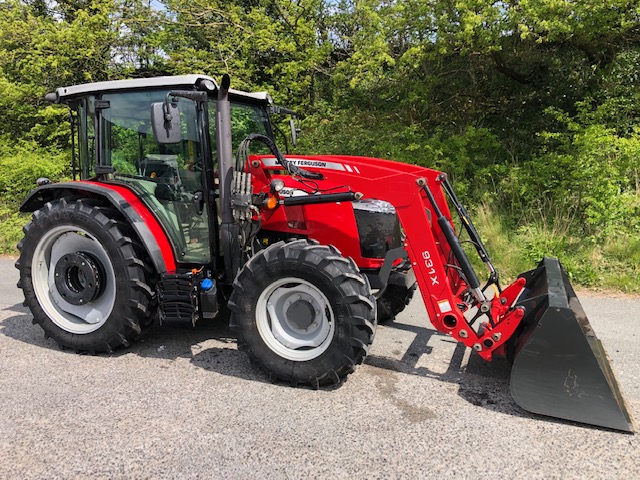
{"points": [[212, 346], [18, 325], [168, 342], [481, 383]]}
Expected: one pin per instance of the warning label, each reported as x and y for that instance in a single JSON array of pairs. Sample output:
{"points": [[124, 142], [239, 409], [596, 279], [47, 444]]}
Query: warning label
{"points": [[444, 306]]}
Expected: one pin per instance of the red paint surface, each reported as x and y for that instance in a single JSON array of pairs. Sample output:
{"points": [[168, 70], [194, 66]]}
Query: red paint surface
{"points": [[154, 226], [442, 288]]}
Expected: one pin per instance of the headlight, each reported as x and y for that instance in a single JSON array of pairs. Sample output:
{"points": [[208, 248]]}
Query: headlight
{"points": [[373, 205], [276, 185], [208, 85]]}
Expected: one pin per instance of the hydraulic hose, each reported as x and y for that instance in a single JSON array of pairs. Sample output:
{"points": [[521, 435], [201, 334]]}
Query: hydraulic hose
{"points": [[275, 151], [456, 248]]}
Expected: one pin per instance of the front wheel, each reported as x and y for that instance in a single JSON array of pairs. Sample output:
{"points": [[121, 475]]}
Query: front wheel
{"points": [[393, 300], [303, 312]]}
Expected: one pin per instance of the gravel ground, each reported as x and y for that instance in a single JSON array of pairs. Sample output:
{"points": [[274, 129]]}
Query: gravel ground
{"points": [[185, 403]]}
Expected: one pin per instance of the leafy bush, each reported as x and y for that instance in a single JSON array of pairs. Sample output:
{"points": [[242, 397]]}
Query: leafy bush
{"points": [[20, 166]]}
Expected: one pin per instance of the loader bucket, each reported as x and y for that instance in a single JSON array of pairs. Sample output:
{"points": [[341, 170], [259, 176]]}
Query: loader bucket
{"points": [[560, 368]]}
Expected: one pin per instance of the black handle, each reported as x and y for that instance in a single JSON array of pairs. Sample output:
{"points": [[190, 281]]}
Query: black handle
{"points": [[321, 198]]}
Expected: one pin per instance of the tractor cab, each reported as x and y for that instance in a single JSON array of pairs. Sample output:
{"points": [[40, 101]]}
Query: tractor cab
{"points": [[113, 139]]}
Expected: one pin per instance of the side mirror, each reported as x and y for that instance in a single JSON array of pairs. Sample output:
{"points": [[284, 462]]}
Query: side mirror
{"points": [[295, 129], [165, 121]]}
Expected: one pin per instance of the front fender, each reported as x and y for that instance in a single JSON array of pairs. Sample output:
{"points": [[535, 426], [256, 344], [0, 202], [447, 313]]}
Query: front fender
{"points": [[150, 232]]}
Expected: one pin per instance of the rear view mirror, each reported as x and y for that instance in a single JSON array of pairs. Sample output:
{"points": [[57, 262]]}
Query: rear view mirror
{"points": [[294, 131], [165, 121]]}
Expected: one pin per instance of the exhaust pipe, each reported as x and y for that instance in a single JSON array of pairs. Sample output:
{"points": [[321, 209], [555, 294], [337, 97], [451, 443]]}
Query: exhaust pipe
{"points": [[225, 149], [229, 229]]}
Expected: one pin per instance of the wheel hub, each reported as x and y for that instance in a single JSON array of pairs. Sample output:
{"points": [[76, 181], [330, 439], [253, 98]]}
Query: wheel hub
{"points": [[78, 278], [295, 319], [302, 312]]}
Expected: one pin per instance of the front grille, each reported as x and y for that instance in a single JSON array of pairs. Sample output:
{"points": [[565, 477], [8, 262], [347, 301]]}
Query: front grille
{"points": [[378, 228]]}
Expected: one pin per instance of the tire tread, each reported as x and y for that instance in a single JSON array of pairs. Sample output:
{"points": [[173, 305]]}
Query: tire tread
{"points": [[354, 295], [135, 304]]}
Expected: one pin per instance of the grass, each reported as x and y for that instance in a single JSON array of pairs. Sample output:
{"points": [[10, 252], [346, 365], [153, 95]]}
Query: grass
{"points": [[21, 165], [621, 265], [10, 229], [612, 264]]}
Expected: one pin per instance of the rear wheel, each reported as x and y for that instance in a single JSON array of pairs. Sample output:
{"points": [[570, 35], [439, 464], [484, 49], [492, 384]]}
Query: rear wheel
{"points": [[303, 312], [83, 276]]}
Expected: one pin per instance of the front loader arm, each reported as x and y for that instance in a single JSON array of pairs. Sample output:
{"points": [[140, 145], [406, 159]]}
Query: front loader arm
{"points": [[560, 368], [448, 284]]}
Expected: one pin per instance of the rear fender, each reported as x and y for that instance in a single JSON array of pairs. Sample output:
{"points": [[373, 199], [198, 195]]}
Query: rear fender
{"points": [[149, 230]]}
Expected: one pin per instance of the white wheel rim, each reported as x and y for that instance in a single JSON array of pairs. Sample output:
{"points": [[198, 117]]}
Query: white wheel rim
{"points": [[79, 319], [295, 319]]}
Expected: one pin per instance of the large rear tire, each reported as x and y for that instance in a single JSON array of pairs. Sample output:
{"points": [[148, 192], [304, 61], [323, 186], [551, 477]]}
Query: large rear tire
{"points": [[83, 276], [303, 313]]}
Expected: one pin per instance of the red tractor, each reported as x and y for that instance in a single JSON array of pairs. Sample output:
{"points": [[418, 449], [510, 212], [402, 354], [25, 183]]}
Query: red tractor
{"points": [[182, 203]]}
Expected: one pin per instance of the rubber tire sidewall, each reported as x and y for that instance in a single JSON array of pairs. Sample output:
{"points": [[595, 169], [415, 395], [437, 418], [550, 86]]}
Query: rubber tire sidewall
{"points": [[129, 307], [350, 300], [394, 300]]}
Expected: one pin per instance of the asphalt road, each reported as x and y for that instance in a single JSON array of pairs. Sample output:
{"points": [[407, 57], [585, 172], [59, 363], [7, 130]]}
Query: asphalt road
{"points": [[185, 403]]}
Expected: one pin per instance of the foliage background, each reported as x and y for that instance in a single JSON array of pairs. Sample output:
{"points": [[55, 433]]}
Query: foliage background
{"points": [[531, 107]]}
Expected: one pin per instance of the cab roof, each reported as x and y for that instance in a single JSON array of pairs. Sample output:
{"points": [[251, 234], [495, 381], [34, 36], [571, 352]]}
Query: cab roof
{"points": [[64, 94]]}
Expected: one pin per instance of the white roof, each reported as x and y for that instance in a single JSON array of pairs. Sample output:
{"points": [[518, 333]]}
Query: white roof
{"points": [[178, 81]]}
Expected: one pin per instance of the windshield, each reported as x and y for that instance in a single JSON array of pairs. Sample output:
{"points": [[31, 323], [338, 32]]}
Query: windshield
{"points": [[166, 177], [128, 139]]}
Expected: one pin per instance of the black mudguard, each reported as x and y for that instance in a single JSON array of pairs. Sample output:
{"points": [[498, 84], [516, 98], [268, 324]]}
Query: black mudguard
{"points": [[560, 368]]}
